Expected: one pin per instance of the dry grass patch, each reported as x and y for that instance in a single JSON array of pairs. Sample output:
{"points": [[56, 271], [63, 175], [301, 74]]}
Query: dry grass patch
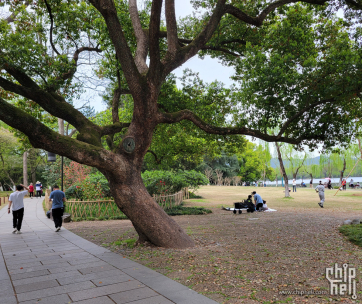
{"points": [[249, 258]]}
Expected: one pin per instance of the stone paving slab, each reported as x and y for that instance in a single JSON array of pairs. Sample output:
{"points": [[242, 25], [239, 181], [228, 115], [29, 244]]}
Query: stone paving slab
{"points": [[41, 266], [94, 277], [104, 290], [43, 293], [58, 299], [103, 300], [137, 294], [39, 279]]}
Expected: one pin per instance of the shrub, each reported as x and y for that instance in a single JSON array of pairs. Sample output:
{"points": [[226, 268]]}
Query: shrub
{"points": [[74, 192], [167, 182], [181, 210]]}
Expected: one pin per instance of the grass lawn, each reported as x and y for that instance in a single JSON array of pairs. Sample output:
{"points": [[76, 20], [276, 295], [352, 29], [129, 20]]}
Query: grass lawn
{"points": [[250, 258], [5, 193]]}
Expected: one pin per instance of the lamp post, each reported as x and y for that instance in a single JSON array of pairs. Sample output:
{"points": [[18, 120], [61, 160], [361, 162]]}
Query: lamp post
{"points": [[52, 157]]}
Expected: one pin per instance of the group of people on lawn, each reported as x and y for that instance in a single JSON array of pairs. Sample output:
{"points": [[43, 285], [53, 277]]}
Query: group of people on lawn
{"points": [[351, 184], [258, 205], [16, 203]]}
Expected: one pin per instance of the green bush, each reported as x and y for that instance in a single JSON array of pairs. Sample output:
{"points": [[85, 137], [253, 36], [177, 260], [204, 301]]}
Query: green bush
{"points": [[193, 195], [74, 191], [168, 182], [181, 210], [98, 178]]}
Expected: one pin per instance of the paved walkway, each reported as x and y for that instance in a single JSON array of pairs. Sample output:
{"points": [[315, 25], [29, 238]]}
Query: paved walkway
{"points": [[47, 267]]}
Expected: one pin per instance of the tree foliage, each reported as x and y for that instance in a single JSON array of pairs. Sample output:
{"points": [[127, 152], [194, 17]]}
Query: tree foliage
{"points": [[297, 71]]}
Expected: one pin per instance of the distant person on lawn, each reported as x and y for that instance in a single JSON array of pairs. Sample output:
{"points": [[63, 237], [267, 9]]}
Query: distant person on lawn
{"points": [[58, 198], [344, 182], [320, 190], [258, 200], [31, 190], [16, 200]]}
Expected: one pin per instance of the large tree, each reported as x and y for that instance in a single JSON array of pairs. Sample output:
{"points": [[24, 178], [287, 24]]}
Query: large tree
{"points": [[294, 49]]}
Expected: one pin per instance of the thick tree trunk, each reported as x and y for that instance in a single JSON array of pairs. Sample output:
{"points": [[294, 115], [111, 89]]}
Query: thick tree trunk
{"points": [[123, 173], [282, 169], [148, 218], [25, 169]]}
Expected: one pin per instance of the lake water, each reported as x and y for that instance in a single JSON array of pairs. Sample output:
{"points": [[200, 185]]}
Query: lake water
{"points": [[316, 181]]}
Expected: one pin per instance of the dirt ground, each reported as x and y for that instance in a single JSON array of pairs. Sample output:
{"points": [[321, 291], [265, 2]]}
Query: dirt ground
{"points": [[251, 258]]}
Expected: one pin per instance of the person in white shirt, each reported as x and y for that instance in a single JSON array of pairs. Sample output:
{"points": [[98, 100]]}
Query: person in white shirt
{"points": [[294, 186], [320, 190], [16, 201]]}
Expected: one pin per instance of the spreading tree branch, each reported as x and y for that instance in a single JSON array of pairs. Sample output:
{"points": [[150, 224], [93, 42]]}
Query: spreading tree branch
{"points": [[301, 112], [154, 35], [188, 115], [50, 102], [141, 38], [115, 128], [40, 136], [51, 27], [158, 160], [221, 8], [124, 54], [172, 39], [76, 54]]}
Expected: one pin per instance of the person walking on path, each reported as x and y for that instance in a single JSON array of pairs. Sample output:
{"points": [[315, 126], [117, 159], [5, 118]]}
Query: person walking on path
{"points": [[311, 184], [38, 187], [294, 186], [320, 190], [58, 198], [31, 190], [16, 202]]}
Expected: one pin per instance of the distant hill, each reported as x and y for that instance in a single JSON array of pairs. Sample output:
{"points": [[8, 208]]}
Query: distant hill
{"points": [[310, 161]]}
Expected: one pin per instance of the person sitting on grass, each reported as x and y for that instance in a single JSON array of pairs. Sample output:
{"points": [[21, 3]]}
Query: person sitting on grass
{"points": [[249, 202], [246, 204]]}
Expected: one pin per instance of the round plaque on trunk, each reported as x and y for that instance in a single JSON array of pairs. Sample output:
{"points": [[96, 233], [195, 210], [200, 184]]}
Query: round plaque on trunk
{"points": [[129, 144]]}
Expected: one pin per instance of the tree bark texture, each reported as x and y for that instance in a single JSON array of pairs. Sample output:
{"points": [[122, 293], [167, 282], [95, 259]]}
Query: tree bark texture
{"points": [[25, 168], [148, 218], [282, 169]]}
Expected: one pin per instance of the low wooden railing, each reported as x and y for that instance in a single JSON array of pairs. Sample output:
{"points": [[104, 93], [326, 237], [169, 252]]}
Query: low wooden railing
{"points": [[95, 209], [108, 208], [4, 200], [172, 200]]}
